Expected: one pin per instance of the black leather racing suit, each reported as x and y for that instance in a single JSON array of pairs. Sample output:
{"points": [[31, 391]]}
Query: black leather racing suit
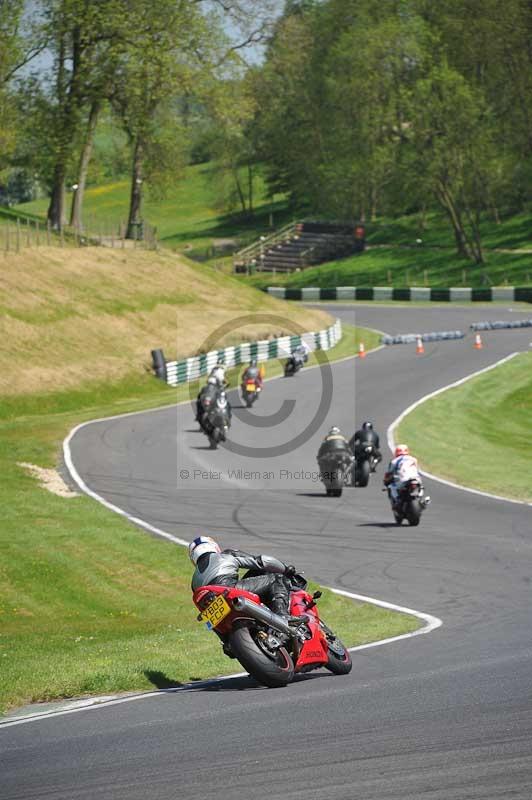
{"points": [[362, 437], [222, 569]]}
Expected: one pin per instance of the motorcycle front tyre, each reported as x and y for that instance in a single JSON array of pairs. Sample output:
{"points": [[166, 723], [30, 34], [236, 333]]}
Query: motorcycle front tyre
{"points": [[339, 658], [270, 670]]}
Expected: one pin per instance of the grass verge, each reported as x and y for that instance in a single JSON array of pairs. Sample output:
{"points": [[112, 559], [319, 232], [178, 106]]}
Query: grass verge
{"points": [[89, 604], [404, 267], [491, 420]]}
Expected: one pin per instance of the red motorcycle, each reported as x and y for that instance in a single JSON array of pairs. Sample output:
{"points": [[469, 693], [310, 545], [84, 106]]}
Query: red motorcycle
{"points": [[250, 389], [271, 648]]}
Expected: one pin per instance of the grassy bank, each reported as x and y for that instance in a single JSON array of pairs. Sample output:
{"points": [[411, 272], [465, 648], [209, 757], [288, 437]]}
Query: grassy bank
{"points": [[89, 315], [88, 603], [491, 440]]}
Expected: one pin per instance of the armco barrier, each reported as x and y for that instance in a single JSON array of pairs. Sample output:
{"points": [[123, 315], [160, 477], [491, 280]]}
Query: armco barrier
{"points": [[511, 294], [190, 368]]}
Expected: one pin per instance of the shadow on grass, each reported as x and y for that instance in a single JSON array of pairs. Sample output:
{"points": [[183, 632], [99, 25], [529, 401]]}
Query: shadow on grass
{"points": [[234, 225], [160, 680]]}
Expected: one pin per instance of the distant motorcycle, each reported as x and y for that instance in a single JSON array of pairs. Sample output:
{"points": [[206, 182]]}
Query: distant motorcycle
{"points": [[364, 464], [411, 502], [216, 421], [267, 645], [294, 364], [335, 472], [250, 390]]}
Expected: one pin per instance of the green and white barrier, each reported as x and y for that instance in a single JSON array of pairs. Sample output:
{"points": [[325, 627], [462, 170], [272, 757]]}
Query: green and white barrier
{"points": [[510, 294], [194, 367]]}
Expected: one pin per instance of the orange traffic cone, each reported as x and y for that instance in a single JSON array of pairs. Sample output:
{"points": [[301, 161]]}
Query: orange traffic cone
{"points": [[478, 342], [361, 350], [419, 346]]}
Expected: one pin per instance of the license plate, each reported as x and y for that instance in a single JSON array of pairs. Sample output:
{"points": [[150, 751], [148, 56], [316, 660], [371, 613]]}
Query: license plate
{"points": [[250, 387], [216, 611]]}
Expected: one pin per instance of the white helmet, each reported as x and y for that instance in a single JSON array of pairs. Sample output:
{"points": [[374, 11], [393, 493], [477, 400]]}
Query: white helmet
{"points": [[202, 545], [334, 430]]}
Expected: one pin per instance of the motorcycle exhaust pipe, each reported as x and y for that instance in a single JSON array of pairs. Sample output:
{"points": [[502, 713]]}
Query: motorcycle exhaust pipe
{"points": [[262, 614]]}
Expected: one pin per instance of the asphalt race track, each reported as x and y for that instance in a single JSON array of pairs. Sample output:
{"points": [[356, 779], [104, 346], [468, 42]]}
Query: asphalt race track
{"points": [[446, 715]]}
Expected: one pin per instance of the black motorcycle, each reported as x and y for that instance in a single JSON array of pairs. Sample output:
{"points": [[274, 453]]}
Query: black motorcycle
{"points": [[364, 464], [411, 502], [216, 421], [334, 472], [293, 365]]}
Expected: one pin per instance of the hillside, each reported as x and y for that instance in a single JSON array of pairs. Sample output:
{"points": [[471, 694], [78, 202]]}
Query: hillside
{"points": [[190, 212], [76, 316]]}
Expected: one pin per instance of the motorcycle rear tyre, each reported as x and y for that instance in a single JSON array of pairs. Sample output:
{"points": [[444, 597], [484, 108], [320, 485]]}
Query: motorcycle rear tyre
{"points": [[413, 512], [397, 517], [362, 471], [265, 670]]}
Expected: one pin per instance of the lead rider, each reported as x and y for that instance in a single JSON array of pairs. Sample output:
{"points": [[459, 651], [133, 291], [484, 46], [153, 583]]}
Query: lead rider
{"points": [[220, 567]]}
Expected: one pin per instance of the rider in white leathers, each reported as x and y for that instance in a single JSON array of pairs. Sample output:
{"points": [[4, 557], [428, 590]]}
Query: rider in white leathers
{"points": [[402, 468]]}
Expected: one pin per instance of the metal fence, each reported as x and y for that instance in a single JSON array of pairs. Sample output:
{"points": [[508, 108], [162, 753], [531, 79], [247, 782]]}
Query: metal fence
{"points": [[17, 233]]}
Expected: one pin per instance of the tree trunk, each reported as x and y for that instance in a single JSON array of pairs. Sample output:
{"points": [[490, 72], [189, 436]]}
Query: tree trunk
{"points": [[135, 202], [234, 170], [446, 199], [250, 189], [76, 211], [56, 209], [68, 94]]}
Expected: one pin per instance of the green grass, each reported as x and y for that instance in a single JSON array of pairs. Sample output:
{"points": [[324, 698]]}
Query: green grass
{"points": [[91, 604], [188, 219], [402, 267], [188, 215], [491, 421]]}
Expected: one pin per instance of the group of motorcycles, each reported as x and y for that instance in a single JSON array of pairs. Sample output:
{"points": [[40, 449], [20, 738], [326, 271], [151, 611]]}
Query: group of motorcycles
{"points": [[213, 409], [344, 469], [341, 469], [270, 647]]}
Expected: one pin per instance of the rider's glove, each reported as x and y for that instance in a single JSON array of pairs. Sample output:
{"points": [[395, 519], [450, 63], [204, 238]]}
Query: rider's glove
{"points": [[289, 571]]}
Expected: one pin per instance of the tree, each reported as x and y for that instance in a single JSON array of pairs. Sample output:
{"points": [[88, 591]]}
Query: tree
{"points": [[82, 36], [452, 135], [19, 44]]}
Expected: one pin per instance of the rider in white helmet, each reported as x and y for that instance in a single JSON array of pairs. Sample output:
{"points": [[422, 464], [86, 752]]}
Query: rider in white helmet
{"points": [[217, 375], [403, 467], [220, 567]]}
